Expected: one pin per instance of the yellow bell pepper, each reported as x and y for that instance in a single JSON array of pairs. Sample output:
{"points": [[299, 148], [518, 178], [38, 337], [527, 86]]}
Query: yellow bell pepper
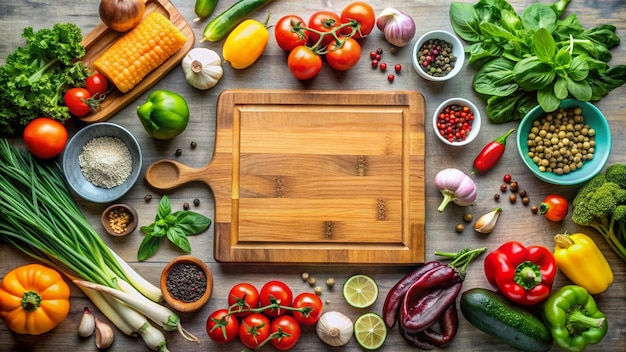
{"points": [[245, 44], [580, 259]]}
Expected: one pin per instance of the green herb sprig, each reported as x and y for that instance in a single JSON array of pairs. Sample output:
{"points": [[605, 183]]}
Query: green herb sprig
{"points": [[175, 226]]}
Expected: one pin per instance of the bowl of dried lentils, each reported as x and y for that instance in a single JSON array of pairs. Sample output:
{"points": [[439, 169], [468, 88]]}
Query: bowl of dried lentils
{"points": [[102, 162], [567, 146], [438, 55]]}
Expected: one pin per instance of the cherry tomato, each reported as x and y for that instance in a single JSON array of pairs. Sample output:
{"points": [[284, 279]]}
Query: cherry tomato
{"points": [[345, 57], [323, 21], [275, 292], [284, 332], [97, 84], [76, 99], [554, 207], [254, 329], [242, 297], [45, 137], [221, 327], [286, 37], [313, 308], [362, 13], [304, 63]]}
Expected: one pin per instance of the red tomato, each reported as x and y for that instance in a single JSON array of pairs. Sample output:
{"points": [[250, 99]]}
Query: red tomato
{"points": [[312, 308], [286, 37], [304, 63], [275, 292], [221, 327], [554, 207], [323, 21], [97, 84], [362, 13], [45, 137], [242, 297], [345, 57], [284, 332], [77, 100], [254, 329]]}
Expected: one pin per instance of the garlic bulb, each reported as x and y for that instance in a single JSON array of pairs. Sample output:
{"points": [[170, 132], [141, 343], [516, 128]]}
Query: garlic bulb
{"points": [[334, 328], [87, 323], [486, 223], [202, 68]]}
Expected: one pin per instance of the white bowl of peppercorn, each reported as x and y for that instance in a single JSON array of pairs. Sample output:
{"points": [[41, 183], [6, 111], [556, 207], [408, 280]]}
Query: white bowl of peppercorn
{"points": [[456, 122], [438, 56]]}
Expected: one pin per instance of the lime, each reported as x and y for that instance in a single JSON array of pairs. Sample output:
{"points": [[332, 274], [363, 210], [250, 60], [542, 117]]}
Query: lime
{"points": [[370, 331], [360, 291]]}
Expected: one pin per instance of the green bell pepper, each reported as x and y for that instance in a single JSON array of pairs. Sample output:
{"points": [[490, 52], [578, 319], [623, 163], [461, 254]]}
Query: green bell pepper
{"points": [[164, 115], [573, 318]]}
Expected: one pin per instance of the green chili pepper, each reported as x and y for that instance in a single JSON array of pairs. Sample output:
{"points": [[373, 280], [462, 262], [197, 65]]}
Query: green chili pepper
{"points": [[164, 115], [573, 318]]}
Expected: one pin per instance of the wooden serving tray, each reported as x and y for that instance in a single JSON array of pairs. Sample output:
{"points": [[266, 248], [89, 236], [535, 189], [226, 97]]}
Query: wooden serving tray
{"points": [[102, 37], [314, 177]]}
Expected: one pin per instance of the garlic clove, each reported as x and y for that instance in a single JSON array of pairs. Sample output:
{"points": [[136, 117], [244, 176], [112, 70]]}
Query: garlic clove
{"points": [[104, 334], [486, 223], [87, 323]]}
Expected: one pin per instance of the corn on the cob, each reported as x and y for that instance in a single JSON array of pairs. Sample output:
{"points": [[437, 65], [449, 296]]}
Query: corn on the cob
{"points": [[137, 53]]}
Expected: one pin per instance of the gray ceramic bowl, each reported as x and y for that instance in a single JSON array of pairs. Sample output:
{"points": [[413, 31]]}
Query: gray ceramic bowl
{"points": [[74, 175]]}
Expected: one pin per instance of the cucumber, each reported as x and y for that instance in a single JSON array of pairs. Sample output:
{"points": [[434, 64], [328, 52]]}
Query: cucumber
{"points": [[492, 314], [225, 22], [204, 9]]}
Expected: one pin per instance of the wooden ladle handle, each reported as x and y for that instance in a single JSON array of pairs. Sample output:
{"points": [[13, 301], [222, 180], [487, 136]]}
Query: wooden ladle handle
{"points": [[169, 174]]}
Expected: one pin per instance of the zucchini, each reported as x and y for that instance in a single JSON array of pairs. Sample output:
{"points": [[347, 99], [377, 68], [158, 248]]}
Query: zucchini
{"points": [[224, 23], [204, 9], [492, 314]]}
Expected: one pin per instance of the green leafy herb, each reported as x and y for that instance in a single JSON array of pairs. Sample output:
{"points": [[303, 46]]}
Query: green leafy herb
{"points": [[536, 57], [175, 226], [36, 76]]}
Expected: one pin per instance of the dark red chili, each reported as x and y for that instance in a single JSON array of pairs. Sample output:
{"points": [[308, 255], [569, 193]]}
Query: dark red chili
{"points": [[491, 153], [417, 339], [394, 298], [419, 313], [448, 323]]}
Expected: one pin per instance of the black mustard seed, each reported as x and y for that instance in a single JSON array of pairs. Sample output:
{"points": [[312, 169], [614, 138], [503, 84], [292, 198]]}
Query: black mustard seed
{"points": [[186, 282]]}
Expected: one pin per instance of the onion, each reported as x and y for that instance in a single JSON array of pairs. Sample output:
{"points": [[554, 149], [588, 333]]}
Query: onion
{"points": [[121, 15], [399, 28]]}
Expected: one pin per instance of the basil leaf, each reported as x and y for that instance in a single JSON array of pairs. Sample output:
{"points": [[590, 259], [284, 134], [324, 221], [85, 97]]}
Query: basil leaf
{"points": [[560, 88], [148, 247], [539, 15], [465, 21], [191, 222], [579, 69], [563, 57], [178, 237], [532, 73], [546, 98], [165, 208], [513, 107], [496, 78], [483, 50], [147, 229], [580, 90], [543, 45], [510, 20]]}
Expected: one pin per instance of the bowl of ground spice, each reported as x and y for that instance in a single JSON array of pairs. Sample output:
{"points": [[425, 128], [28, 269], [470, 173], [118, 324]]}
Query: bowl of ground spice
{"points": [[438, 55], [119, 219], [187, 283], [102, 162]]}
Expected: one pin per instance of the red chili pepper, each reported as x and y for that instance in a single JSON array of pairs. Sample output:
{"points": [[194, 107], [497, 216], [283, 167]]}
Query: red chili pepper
{"points": [[491, 153], [522, 274]]}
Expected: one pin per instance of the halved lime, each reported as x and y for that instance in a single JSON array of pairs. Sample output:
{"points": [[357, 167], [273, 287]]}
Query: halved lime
{"points": [[360, 291], [370, 331]]}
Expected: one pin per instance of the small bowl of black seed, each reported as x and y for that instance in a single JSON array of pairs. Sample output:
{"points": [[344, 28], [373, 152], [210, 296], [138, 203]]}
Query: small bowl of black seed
{"points": [[186, 283], [438, 55]]}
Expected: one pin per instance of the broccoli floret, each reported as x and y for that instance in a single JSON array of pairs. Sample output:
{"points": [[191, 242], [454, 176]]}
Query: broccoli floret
{"points": [[601, 204]]}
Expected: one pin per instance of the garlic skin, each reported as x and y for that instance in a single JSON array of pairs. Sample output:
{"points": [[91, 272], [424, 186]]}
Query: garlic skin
{"points": [[398, 27], [104, 335], [202, 68], [334, 328], [486, 223], [87, 323]]}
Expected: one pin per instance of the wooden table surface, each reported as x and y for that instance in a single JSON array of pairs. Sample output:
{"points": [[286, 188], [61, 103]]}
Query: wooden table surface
{"points": [[270, 72]]}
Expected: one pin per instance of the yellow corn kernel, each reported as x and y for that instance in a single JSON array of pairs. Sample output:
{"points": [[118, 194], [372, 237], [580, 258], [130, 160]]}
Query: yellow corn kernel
{"points": [[137, 53]]}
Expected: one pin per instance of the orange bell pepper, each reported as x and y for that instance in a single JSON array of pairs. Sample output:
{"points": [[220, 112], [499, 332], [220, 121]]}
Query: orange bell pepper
{"points": [[580, 259]]}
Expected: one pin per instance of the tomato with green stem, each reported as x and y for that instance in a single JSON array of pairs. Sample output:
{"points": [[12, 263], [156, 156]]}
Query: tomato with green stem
{"points": [[309, 308], [323, 21], [287, 32], [243, 297], [97, 84], [222, 327], [275, 292], [361, 12], [554, 207], [284, 332], [45, 137], [342, 57], [77, 101], [254, 329], [304, 63]]}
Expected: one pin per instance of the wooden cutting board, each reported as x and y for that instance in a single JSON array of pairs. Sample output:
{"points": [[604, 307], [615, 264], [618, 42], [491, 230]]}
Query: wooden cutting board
{"points": [[314, 177]]}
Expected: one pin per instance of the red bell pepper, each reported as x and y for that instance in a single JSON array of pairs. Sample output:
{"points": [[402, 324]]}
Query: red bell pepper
{"points": [[522, 274]]}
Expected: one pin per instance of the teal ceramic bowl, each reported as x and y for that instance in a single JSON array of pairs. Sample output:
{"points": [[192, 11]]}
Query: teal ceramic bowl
{"points": [[594, 118]]}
